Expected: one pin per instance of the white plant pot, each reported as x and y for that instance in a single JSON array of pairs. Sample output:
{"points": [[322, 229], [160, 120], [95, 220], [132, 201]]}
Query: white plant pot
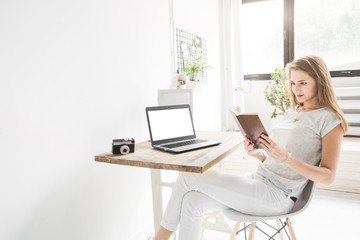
{"points": [[192, 85]]}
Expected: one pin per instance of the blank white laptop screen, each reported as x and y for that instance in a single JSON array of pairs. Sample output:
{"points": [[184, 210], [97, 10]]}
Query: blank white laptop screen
{"points": [[170, 123]]}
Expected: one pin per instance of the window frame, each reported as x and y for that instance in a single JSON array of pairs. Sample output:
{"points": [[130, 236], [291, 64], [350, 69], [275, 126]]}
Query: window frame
{"points": [[289, 44]]}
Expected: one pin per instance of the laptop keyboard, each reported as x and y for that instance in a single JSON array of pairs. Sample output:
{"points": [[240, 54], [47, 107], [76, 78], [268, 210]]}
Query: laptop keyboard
{"points": [[180, 144]]}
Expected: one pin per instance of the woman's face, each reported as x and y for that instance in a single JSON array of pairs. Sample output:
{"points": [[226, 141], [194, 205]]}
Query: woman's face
{"points": [[304, 88]]}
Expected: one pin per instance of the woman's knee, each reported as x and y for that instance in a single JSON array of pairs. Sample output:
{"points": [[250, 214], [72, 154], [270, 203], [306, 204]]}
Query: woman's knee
{"points": [[193, 204]]}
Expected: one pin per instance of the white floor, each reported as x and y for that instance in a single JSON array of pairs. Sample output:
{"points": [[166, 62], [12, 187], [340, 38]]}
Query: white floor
{"points": [[331, 216]]}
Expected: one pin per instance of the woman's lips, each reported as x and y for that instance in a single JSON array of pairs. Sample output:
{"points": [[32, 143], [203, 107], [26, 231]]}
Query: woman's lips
{"points": [[299, 95]]}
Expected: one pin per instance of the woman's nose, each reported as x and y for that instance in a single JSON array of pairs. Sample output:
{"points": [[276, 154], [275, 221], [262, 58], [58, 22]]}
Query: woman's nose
{"points": [[295, 87]]}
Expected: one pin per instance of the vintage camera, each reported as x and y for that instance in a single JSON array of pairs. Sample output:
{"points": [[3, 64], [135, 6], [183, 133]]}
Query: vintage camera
{"points": [[123, 146]]}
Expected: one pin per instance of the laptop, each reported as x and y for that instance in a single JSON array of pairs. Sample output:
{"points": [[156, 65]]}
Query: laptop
{"points": [[172, 129]]}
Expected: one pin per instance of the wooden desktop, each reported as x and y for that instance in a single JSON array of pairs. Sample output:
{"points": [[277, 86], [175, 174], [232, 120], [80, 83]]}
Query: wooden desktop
{"points": [[197, 161]]}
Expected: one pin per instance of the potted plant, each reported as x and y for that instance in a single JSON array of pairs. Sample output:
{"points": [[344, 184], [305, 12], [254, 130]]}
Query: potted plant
{"points": [[276, 92], [193, 68]]}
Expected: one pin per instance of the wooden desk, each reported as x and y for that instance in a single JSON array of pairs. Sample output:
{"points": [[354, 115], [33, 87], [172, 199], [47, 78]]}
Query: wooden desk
{"points": [[197, 161]]}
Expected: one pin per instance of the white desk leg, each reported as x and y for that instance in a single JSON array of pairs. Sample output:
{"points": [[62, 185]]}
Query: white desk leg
{"points": [[156, 197]]}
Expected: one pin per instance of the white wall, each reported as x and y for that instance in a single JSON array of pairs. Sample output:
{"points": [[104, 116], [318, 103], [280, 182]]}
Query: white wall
{"points": [[201, 17], [75, 75]]}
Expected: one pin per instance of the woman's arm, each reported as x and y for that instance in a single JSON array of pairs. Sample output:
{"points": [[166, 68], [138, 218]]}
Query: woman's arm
{"points": [[325, 174]]}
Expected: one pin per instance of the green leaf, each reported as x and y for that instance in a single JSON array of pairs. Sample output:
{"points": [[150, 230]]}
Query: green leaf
{"points": [[276, 92], [192, 68]]}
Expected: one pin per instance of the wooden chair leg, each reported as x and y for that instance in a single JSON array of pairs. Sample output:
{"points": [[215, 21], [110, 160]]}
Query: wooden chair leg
{"points": [[252, 230], [236, 228], [291, 229], [279, 226]]}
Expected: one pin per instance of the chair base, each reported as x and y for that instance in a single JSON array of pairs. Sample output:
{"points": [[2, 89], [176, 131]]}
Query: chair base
{"points": [[280, 229]]}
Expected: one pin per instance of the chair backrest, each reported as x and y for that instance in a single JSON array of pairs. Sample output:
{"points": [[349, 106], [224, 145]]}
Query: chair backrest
{"points": [[303, 202]]}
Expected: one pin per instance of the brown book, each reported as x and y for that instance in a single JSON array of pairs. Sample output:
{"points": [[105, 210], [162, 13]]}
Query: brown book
{"points": [[250, 126]]}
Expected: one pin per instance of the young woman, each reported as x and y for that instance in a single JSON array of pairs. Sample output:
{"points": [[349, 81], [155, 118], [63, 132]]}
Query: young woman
{"points": [[310, 132]]}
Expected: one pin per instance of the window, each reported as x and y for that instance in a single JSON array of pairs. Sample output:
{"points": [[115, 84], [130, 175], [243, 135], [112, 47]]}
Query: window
{"points": [[328, 28], [262, 27]]}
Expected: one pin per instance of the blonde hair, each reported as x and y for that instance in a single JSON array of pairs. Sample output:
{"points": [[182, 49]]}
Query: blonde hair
{"points": [[317, 69]]}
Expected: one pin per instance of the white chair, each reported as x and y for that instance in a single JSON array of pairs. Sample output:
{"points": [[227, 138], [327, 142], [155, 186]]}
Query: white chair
{"points": [[300, 205]]}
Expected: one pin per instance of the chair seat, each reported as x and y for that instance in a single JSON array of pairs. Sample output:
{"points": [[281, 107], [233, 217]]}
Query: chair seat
{"points": [[241, 217]]}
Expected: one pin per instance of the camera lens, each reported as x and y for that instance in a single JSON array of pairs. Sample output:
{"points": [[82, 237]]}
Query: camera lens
{"points": [[124, 149]]}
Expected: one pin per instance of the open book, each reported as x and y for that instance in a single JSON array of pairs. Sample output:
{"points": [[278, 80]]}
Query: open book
{"points": [[250, 125]]}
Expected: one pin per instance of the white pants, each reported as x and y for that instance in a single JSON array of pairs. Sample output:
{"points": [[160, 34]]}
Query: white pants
{"points": [[194, 194]]}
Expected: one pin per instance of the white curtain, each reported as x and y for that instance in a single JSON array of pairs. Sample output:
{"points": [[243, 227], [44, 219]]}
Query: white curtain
{"points": [[232, 80]]}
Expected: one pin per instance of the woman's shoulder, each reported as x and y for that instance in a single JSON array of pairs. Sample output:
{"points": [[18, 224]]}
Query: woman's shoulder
{"points": [[328, 120], [326, 111]]}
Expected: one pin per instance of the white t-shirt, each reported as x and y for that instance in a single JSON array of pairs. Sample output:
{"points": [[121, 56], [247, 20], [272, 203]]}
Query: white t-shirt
{"points": [[299, 133]]}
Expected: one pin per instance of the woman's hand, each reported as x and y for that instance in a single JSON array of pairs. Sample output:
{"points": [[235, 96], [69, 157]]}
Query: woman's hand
{"points": [[273, 149], [251, 151]]}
